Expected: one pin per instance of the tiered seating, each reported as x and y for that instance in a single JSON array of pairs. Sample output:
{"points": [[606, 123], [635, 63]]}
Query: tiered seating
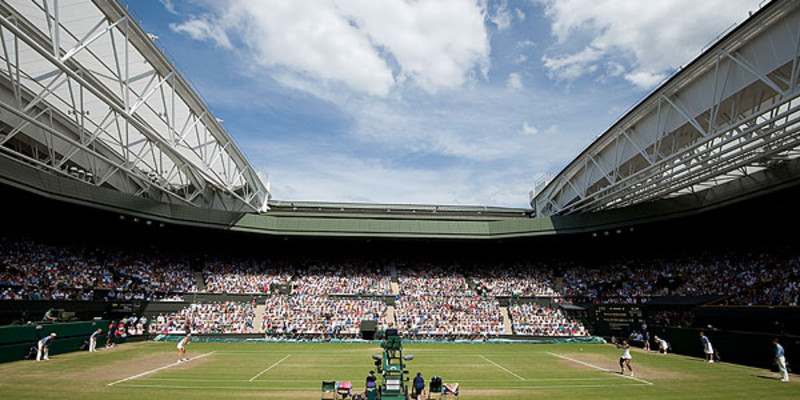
{"points": [[437, 301], [319, 315], [535, 320], [224, 317]]}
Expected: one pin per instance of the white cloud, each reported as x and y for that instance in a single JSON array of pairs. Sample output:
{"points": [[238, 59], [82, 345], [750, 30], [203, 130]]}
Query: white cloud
{"points": [[514, 81], [169, 6], [520, 14], [615, 68], [529, 129], [369, 47], [572, 66], [502, 16], [645, 79], [436, 44], [203, 29], [311, 39], [650, 38]]}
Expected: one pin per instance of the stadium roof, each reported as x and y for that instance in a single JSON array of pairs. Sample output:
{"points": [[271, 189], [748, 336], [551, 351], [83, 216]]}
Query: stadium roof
{"points": [[86, 94], [396, 209], [731, 112]]}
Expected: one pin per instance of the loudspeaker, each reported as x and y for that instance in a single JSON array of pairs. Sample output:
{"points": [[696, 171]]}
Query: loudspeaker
{"points": [[368, 329]]}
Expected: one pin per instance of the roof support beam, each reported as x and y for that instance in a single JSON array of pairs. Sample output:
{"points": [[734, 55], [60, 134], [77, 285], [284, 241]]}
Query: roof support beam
{"points": [[749, 68], [86, 41], [685, 115]]}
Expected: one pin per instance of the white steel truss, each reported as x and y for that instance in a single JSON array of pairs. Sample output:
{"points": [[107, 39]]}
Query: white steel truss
{"points": [[733, 111], [85, 93]]}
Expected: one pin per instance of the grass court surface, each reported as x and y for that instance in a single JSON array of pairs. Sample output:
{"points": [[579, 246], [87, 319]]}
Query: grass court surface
{"points": [[294, 371]]}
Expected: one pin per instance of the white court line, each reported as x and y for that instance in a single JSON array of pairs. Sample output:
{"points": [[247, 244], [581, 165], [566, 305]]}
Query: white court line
{"points": [[270, 367], [156, 369], [600, 368], [317, 380], [501, 367], [265, 388], [552, 386], [220, 387], [360, 354], [361, 367]]}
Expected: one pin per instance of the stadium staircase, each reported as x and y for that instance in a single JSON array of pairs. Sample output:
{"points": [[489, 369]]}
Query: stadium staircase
{"points": [[390, 314], [259, 318], [201, 283], [395, 285], [507, 326]]}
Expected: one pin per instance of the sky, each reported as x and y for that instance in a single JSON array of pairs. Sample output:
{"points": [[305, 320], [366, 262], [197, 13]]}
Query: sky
{"points": [[469, 102]]}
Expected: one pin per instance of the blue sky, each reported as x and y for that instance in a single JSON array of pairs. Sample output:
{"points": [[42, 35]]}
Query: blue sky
{"points": [[435, 102]]}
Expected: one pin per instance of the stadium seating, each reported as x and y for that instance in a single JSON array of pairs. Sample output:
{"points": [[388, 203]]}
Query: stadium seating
{"points": [[332, 297], [224, 317]]}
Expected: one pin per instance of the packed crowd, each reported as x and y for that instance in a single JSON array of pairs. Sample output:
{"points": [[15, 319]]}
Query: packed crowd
{"points": [[462, 316], [433, 280], [243, 276], [319, 315], [779, 288], [38, 271], [766, 278], [45, 271], [436, 300], [253, 276], [215, 317], [16, 292], [516, 280], [534, 320], [352, 279]]}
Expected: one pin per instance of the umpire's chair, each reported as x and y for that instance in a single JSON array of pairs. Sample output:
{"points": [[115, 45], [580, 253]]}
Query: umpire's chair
{"points": [[392, 344]]}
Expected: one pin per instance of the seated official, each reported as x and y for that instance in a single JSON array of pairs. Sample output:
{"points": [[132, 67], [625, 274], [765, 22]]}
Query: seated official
{"points": [[391, 331]]}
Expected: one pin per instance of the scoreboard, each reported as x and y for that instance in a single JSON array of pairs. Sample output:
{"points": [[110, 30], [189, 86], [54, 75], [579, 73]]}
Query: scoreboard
{"points": [[128, 307], [618, 319]]}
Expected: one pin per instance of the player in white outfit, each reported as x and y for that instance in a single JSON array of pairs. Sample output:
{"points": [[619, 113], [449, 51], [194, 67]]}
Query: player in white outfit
{"points": [[182, 348], [707, 348], [93, 340], [663, 346], [625, 360], [43, 347], [780, 359]]}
